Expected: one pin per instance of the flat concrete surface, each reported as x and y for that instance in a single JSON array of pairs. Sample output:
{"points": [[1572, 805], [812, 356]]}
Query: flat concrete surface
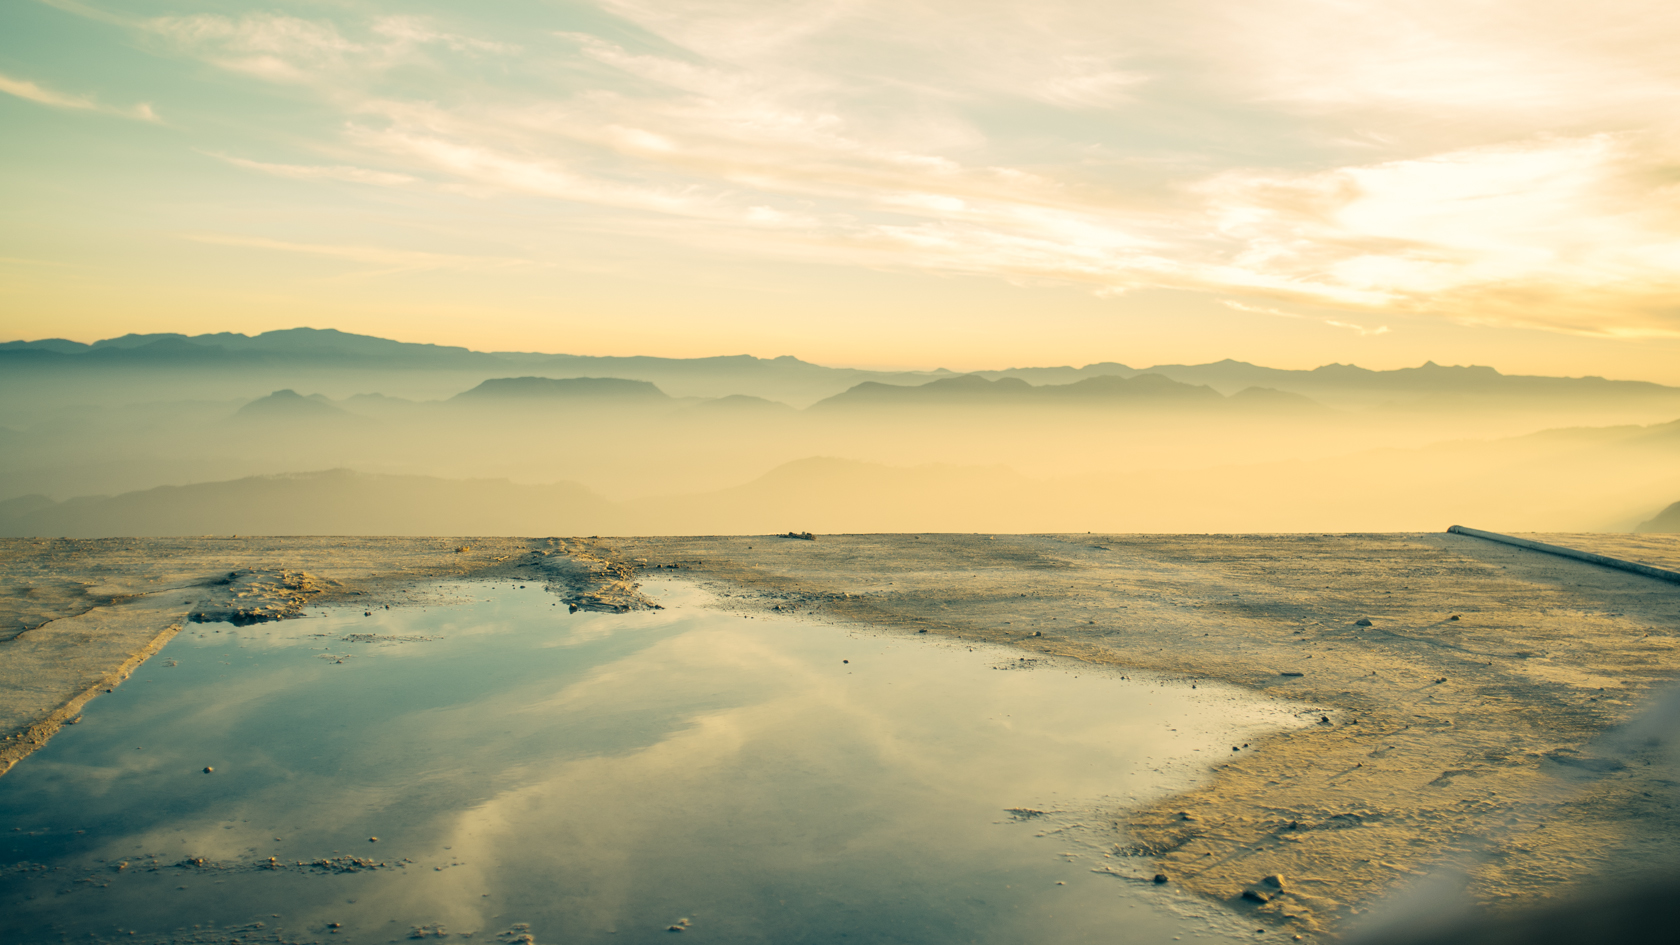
{"points": [[1499, 715]]}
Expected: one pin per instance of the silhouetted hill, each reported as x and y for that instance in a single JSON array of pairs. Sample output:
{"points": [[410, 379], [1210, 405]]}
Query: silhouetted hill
{"points": [[1275, 401], [23, 505], [330, 358], [289, 405], [1665, 522], [509, 389], [1332, 381], [744, 406], [48, 345], [1527, 483], [336, 502], [1109, 387], [1061, 375], [975, 390]]}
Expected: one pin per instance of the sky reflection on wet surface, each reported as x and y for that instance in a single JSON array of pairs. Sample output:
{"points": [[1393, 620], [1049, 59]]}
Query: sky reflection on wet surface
{"points": [[605, 777]]}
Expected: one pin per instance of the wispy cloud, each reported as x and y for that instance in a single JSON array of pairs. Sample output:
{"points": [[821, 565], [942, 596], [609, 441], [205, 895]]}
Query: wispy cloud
{"points": [[25, 89], [1263, 310], [1437, 160], [1549, 233], [384, 259], [339, 172], [295, 50]]}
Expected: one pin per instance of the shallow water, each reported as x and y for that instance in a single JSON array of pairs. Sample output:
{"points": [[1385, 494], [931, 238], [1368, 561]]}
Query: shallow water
{"points": [[603, 778]]}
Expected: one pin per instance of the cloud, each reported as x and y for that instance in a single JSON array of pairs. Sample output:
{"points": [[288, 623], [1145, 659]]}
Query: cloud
{"points": [[1436, 160], [1549, 233], [354, 175], [294, 50], [387, 260], [1088, 82], [24, 89], [269, 46], [1262, 310]]}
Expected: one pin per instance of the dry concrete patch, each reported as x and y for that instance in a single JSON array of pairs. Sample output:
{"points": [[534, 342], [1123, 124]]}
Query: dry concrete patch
{"points": [[1469, 695]]}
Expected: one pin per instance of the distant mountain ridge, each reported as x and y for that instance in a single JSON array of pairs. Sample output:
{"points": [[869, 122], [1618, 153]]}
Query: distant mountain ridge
{"points": [[1666, 522], [562, 389], [289, 404], [330, 502], [278, 355], [976, 390]]}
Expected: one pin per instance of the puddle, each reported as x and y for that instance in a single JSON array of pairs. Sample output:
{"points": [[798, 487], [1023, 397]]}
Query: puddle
{"points": [[534, 775]]}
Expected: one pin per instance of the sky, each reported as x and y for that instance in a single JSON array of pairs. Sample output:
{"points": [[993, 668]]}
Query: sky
{"points": [[916, 183]]}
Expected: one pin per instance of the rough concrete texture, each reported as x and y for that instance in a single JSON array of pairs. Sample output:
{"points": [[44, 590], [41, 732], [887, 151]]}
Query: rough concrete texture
{"points": [[1474, 696]]}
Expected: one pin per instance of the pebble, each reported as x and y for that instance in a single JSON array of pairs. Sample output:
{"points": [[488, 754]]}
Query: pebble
{"points": [[1160, 879], [208, 769], [1362, 622]]}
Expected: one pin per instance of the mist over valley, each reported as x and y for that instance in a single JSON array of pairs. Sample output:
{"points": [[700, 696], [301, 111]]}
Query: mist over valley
{"points": [[317, 431]]}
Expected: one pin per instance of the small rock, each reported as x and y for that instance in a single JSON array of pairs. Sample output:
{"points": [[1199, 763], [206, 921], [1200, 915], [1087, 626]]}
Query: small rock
{"points": [[1362, 622], [1453, 617], [1160, 879], [373, 839], [208, 769]]}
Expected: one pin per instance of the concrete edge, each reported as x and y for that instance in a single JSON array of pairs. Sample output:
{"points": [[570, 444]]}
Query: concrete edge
{"points": [[1661, 574], [37, 733]]}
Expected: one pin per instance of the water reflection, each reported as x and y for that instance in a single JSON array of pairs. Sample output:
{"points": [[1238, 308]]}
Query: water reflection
{"points": [[604, 778]]}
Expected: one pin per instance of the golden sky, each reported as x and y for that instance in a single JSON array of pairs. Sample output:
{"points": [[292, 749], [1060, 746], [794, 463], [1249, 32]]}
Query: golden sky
{"points": [[911, 183]]}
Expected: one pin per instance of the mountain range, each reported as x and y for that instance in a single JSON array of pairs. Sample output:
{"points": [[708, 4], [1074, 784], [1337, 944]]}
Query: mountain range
{"points": [[320, 352]]}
